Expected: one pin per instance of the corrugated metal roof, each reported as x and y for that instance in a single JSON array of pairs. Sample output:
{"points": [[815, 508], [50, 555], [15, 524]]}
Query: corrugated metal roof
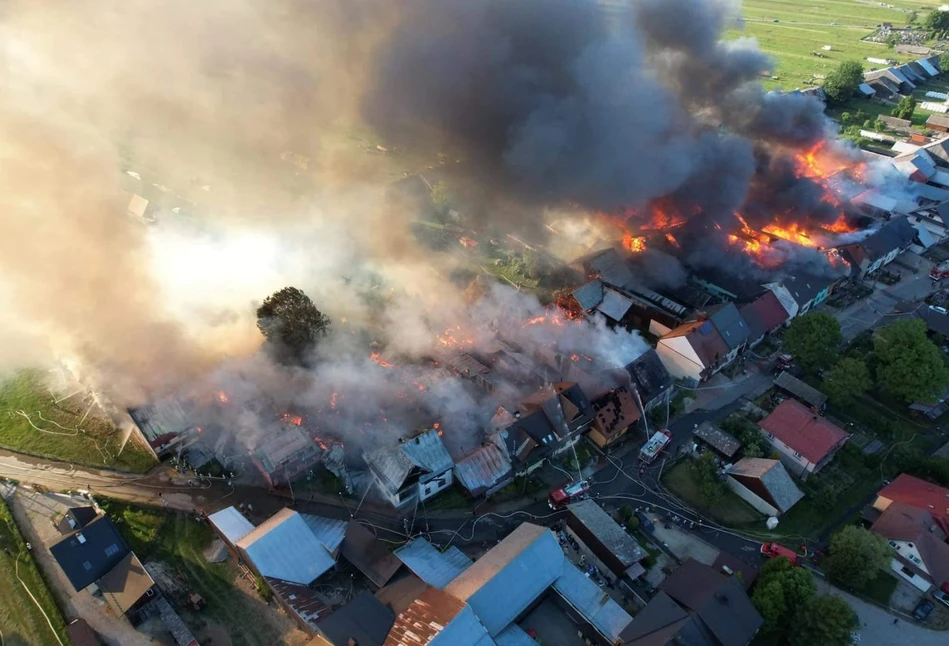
{"points": [[231, 524], [437, 569], [514, 635], [596, 606], [932, 71], [328, 531], [589, 295], [285, 548], [483, 469], [428, 452], [773, 476], [866, 89], [614, 305], [504, 582], [607, 531], [437, 619], [390, 465]]}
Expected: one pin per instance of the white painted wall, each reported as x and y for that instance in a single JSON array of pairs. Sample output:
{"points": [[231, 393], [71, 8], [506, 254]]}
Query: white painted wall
{"points": [[787, 451], [679, 358], [918, 582], [751, 497], [432, 487]]}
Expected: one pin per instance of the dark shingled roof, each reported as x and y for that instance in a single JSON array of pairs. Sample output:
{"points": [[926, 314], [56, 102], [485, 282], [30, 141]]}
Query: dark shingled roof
{"points": [[763, 315], [718, 439], [729, 323], [649, 376], [589, 295], [364, 619], [88, 554], [807, 394], [599, 523], [371, 556], [76, 518]]}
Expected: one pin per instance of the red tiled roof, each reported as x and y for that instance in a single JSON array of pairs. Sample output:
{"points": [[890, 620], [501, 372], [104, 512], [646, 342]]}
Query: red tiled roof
{"points": [[810, 435], [920, 494], [764, 314]]}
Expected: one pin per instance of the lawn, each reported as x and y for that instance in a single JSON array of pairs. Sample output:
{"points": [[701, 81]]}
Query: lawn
{"points": [[805, 26], [94, 444], [21, 622], [881, 588], [179, 541], [730, 510]]}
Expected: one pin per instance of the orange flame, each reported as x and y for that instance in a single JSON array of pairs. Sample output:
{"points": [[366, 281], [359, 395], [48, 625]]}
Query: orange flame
{"points": [[296, 420], [222, 397], [672, 240], [333, 400], [375, 356], [840, 225], [633, 243], [791, 233]]}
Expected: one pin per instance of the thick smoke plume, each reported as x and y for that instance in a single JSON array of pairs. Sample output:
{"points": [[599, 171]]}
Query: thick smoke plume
{"points": [[245, 125]]}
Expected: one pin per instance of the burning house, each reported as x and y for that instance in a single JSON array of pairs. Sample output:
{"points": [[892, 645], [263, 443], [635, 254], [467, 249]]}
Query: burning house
{"points": [[880, 248], [617, 413], [649, 377], [693, 351], [415, 470], [164, 424], [285, 455]]}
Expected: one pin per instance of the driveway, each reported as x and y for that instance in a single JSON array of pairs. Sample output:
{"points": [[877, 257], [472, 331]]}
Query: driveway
{"points": [[877, 627]]}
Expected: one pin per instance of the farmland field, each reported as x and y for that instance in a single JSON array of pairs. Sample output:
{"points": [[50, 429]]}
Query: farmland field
{"points": [[789, 30]]}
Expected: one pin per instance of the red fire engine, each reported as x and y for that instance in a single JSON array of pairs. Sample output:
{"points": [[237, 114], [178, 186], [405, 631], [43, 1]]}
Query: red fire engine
{"points": [[940, 271], [560, 498], [659, 440], [773, 551]]}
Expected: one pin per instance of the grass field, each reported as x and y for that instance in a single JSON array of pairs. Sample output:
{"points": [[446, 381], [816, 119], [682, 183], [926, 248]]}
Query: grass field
{"points": [[804, 26], [21, 622], [94, 444], [730, 510], [179, 541]]}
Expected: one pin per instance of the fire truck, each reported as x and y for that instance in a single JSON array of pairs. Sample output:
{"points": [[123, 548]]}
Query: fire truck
{"points": [[576, 490], [940, 271], [659, 440], [773, 551]]}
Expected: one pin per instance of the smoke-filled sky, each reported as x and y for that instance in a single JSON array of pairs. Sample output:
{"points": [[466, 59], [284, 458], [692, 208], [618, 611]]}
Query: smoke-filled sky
{"points": [[600, 106]]}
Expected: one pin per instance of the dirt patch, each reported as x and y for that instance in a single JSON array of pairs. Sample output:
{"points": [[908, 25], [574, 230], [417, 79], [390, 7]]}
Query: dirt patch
{"points": [[213, 633]]}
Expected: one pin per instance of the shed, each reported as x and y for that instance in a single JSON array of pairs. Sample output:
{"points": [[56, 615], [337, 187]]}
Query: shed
{"points": [[371, 556], [231, 525], [764, 484], [606, 539], [800, 390], [938, 122], [484, 471], [285, 548], [720, 441]]}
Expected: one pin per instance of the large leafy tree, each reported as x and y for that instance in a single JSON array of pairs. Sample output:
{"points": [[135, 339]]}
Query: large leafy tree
{"points": [[823, 621], [842, 81], [908, 364], [937, 23], [905, 108], [706, 474], [290, 322], [944, 63], [781, 589], [814, 339], [846, 380], [856, 556]]}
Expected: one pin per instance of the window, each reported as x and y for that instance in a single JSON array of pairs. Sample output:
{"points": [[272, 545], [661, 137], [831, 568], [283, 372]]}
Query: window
{"points": [[798, 455], [908, 572], [111, 549], [87, 565], [770, 436]]}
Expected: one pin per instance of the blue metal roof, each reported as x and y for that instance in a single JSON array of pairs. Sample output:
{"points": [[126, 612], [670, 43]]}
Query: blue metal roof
{"points": [[504, 582], [285, 548], [604, 614], [328, 531], [514, 635], [437, 569]]}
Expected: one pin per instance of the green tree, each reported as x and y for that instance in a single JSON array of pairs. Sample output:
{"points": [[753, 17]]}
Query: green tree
{"points": [[944, 63], [842, 82], [705, 472], [442, 197], [779, 591], [892, 41], [905, 108], [908, 364], [825, 620], [290, 322], [911, 17], [937, 23], [846, 380], [856, 556], [813, 339]]}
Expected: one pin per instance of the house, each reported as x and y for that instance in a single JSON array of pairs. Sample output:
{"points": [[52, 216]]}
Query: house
{"points": [[608, 542], [932, 409], [163, 424], [649, 377], [879, 248], [417, 469], [731, 327], [90, 552], [369, 555], [546, 423], [763, 316], [434, 567], [484, 472], [231, 526], [436, 618], [763, 484], [293, 547], [364, 621], [76, 518], [607, 266], [806, 290], [95, 554], [718, 440], [615, 414], [938, 122], [894, 77], [693, 351], [928, 67], [805, 441], [800, 390], [733, 566], [936, 322], [784, 297], [696, 605], [284, 455]]}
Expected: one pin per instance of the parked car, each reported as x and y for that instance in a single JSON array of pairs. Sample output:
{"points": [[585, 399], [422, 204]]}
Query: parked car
{"points": [[941, 597], [923, 609]]}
